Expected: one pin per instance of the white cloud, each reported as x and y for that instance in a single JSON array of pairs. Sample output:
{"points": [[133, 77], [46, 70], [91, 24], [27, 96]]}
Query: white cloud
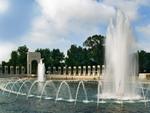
{"points": [[4, 5], [62, 20], [5, 50]]}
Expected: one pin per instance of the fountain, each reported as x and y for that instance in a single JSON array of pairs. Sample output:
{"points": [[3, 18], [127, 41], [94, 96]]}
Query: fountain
{"points": [[119, 78], [118, 86], [41, 71], [121, 60]]}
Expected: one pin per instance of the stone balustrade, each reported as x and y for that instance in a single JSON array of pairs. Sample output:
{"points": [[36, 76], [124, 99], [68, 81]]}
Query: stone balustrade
{"points": [[12, 70], [75, 70], [60, 70]]}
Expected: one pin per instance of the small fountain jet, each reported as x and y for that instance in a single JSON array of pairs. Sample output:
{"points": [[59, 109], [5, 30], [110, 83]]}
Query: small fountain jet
{"points": [[41, 71]]}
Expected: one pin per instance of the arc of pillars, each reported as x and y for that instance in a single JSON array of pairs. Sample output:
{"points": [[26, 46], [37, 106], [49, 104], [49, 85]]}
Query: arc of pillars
{"points": [[61, 70], [76, 70], [12, 70]]}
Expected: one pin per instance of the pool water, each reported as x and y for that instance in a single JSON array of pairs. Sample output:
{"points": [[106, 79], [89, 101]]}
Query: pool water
{"points": [[11, 103]]}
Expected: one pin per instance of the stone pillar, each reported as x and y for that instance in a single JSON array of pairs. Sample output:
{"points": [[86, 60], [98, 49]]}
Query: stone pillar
{"points": [[6, 70], [64, 70], [93, 70], [74, 70], [11, 69], [22, 70], [79, 71], [29, 68], [54, 70], [17, 69], [84, 70], [69, 70], [98, 70], [89, 70]]}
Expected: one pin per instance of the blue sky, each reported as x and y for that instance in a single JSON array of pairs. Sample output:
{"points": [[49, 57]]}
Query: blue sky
{"points": [[60, 23]]}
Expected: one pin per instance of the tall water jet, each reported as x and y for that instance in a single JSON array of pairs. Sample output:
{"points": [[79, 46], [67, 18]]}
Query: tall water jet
{"points": [[121, 60], [41, 71]]}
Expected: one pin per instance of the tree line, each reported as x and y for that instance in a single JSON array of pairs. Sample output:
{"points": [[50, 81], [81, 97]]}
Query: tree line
{"points": [[91, 53]]}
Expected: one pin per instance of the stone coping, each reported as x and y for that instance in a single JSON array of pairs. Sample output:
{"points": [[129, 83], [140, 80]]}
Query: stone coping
{"points": [[142, 76]]}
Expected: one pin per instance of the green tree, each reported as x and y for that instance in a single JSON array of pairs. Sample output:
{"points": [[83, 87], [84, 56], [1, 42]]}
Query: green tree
{"points": [[144, 61], [95, 45], [18, 57], [77, 56], [57, 57], [146, 64], [22, 55], [14, 58], [141, 55]]}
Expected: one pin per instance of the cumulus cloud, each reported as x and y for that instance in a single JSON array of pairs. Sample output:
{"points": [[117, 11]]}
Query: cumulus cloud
{"points": [[61, 20], [5, 50], [4, 5]]}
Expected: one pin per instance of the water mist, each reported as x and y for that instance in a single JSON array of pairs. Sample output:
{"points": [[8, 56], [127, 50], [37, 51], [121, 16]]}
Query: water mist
{"points": [[41, 71], [121, 60]]}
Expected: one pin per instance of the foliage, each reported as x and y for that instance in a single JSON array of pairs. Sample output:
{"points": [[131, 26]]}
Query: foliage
{"points": [[95, 45], [18, 57], [22, 55], [144, 61], [57, 57], [14, 58], [77, 56], [51, 58]]}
